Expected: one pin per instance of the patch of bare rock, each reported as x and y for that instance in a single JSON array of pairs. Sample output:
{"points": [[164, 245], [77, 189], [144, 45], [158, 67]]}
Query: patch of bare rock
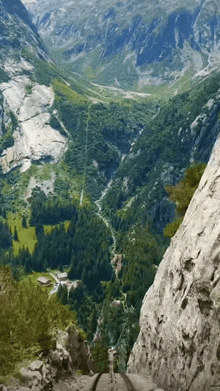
{"points": [[34, 139], [141, 383]]}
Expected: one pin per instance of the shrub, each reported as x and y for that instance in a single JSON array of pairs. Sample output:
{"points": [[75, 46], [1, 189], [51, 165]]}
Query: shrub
{"points": [[182, 194]]}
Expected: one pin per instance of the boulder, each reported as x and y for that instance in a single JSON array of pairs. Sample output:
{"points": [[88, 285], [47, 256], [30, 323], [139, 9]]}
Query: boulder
{"points": [[30, 377], [36, 366]]}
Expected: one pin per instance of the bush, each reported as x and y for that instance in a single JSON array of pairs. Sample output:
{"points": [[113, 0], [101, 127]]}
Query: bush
{"points": [[182, 194]]}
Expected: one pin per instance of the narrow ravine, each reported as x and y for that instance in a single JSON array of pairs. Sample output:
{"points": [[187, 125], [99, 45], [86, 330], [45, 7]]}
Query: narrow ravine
{"points": [[104, 219], [104, 192]]}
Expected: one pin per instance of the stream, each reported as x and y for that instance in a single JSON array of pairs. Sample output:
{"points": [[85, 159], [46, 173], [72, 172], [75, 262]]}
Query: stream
{"points": [[104, 219]]}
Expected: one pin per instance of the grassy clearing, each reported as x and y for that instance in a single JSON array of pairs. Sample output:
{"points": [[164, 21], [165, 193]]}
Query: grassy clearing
{"points": [[35, 275], [26, 236], [49, 228], [71, 95]]}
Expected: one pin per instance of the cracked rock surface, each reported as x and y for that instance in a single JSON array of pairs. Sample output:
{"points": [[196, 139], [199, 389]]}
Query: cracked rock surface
{"points": [[34, 139], [179, 339]]}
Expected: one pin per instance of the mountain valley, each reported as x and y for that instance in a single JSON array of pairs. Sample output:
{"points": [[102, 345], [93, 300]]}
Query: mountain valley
{"points": [[130, 44], [105, 109]]}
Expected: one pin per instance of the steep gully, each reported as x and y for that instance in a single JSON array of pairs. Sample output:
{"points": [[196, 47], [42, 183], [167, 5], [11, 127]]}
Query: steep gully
{"points": [[98, 202], [104, 192]]}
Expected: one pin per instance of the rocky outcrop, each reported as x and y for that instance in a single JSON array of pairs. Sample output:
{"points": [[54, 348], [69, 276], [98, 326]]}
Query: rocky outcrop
{"points": [[179, 339], [38, 376], [117, 263], [34, 139], [79, 351], [69, 353], [25, 105]]}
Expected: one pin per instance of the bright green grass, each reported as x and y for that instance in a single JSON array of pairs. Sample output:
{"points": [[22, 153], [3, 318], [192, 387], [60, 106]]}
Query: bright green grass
{"points": [[26, 236], [35, 275], [49, 228], [71, 95]]}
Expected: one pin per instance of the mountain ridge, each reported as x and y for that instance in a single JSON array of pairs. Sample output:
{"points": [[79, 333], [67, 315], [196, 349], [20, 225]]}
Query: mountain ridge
{"points": [[153, 43]]}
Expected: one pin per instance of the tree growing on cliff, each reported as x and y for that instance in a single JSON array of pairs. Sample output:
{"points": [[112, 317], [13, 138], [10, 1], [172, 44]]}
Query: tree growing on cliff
{"points": [[181, 194]]}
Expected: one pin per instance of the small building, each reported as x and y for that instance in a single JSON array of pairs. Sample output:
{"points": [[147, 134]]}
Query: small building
{"points": [[62, 276], [43, 281], [73, 285]]}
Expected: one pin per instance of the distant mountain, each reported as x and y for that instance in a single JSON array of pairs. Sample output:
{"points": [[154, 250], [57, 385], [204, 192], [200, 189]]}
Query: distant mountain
{"points": [[130, 44]]}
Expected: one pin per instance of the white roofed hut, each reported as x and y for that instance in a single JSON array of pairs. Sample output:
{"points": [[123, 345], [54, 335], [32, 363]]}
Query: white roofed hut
{"points": [[62, 276], [43, 281]]}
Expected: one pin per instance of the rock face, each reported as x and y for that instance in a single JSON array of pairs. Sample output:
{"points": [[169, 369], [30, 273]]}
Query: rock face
{"points": [[34, 139], [25, 105], [179, 339]]}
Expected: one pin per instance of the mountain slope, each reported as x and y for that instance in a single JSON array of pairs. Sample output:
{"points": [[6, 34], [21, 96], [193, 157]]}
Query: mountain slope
{"points": [[24, 102], [130, 44]]}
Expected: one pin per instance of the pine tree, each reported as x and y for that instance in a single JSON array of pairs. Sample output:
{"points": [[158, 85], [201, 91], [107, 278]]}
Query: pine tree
{"points": [[24, 222], [15, 234]]}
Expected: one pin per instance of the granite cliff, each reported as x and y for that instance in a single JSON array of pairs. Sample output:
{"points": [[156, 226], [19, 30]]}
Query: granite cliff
{"points": [[179, 335]]}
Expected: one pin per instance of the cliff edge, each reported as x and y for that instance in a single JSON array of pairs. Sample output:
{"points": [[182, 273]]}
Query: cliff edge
{"points": [[179, 339]]}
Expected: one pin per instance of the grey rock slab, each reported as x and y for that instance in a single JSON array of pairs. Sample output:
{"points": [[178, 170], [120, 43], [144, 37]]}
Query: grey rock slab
{"points": [[36, 366], [23, 389], [142, 383], [29, 376], [34, 138]]}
